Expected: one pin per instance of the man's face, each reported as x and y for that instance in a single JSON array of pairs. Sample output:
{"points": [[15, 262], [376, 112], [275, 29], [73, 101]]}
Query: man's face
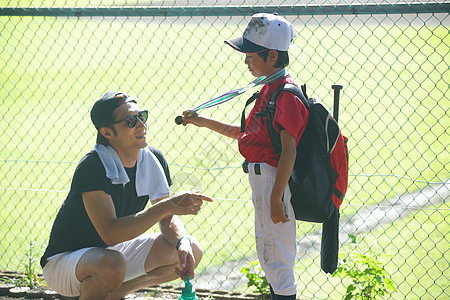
{"points": [[126, 137]]}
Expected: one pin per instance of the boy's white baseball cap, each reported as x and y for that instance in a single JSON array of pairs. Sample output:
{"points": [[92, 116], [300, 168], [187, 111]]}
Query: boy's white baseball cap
{"points": [[265, 31]]}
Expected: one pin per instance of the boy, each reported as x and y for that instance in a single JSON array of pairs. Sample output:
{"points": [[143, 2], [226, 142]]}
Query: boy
{"points": [[265, 43]]}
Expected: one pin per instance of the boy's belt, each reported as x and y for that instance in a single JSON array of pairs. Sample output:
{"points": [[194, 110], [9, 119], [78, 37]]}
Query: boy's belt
{"points": [[256, 166]]}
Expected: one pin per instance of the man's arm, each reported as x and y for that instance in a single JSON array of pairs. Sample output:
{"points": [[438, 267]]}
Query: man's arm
{"points": [[172, 229], [100, 209]]}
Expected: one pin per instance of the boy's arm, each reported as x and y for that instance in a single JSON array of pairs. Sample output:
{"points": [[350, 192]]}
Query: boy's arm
{"points": [[230, 130], [284, 170]]}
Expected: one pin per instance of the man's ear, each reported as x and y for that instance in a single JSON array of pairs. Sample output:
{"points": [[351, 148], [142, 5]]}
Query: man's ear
{"points": [[106, 132]]}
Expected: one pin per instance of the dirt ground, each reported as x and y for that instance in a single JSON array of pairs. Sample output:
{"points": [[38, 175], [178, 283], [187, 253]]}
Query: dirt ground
{"points": [[146, 296], [136, 296], [9, 292]]}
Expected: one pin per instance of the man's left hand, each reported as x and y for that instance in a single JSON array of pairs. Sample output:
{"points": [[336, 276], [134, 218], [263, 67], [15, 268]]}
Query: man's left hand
{"points": [[187, 260]]}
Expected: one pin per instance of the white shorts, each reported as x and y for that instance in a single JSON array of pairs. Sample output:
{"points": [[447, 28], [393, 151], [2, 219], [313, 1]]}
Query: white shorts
{"points": [[59, 272], [275, 243]]}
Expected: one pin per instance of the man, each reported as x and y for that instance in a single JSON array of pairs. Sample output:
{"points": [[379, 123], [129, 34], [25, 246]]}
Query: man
{"points": [[98, 247]]}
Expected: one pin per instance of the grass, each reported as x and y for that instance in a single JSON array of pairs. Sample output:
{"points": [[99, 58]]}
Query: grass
{"points": [[393, 109], [417, 259]]}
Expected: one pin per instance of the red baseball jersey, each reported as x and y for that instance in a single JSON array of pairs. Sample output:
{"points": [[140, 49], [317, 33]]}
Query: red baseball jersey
{"points": [[291, 115]]}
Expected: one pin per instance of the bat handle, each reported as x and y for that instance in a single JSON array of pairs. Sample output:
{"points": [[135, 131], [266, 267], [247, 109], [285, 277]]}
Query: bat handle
{"points": [[337, 89], [179, 120]]}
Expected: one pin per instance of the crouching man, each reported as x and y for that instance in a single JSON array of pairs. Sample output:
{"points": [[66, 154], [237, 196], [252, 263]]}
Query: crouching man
{"points": [[98, 247]]}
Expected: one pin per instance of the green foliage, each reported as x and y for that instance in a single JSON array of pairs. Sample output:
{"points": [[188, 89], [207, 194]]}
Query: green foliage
{"points": [[256, 278], [369, 278], [30, 277]]}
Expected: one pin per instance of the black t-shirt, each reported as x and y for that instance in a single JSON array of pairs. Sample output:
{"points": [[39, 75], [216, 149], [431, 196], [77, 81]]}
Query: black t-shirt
{"points": [[72, 229]]}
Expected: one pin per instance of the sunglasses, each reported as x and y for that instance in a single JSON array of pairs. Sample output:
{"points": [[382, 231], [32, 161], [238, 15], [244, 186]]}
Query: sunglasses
{"points": [[132, 119]]}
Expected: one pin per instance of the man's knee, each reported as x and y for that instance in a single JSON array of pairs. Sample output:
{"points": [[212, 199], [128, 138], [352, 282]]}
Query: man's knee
{"points": [[107, 267], [113, 265]]}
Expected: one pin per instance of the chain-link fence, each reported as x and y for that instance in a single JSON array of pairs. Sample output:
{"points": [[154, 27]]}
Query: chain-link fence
{"points": [[57, 57]]}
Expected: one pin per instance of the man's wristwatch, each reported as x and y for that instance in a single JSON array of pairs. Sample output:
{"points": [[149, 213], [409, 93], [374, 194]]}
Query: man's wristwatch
{"points": [[179, 241]]}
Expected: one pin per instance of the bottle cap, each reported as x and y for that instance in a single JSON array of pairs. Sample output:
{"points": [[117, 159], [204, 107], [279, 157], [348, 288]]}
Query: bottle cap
{"points": [[188, 292]]}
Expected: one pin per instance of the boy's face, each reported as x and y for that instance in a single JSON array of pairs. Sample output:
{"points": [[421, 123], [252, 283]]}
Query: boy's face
{"points": [[257, 66]]}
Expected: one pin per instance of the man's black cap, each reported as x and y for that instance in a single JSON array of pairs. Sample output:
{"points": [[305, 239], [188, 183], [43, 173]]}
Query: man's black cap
{"points": [[105, 105]]}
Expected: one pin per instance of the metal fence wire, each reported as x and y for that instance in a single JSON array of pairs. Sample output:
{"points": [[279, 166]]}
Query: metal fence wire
{"points": [[392, 57]]}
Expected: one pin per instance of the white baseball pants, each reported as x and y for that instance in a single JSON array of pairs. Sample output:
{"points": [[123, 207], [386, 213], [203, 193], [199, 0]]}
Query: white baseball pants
{"points": [[275, 243]]}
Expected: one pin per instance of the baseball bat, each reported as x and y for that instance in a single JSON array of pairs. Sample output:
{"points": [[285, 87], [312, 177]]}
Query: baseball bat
{"points": [[337, 88]]}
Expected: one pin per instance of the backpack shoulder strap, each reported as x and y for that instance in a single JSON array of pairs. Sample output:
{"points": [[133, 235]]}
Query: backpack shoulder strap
{"points": [[250, 100], [271, 107], [304, 90], [290, 87]]}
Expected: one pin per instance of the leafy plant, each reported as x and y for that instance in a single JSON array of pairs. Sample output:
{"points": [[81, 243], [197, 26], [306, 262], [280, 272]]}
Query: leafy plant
{"points": [[29, 276], [369, 278], [155, 293], [256, 278]]}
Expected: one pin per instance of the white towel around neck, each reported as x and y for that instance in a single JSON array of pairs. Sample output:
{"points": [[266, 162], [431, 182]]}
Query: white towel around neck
{"points": [[150, 177]]}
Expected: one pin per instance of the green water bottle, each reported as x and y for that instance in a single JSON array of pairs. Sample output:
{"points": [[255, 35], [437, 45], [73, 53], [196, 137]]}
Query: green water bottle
{"points": [[188, 292]]}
